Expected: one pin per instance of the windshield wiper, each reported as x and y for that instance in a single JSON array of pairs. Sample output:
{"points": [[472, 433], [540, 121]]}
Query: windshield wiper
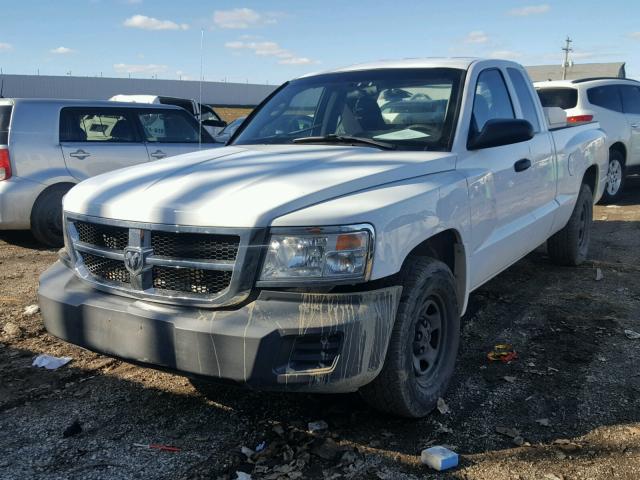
{"points": [[346, 140]]}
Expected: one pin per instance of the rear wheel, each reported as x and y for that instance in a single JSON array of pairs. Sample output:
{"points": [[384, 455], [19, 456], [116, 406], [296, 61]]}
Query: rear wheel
{"points": [[615, 177], [571, 244], [424, 343], [46, 216]]}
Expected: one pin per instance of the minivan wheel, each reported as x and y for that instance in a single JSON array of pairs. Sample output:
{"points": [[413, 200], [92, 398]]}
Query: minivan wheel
{"points": [[424, 342], [570, 245], [46, 216], [615, 178]]}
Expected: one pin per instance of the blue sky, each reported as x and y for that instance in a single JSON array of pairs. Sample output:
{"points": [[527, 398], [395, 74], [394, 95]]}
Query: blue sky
{"points": [[272, 41]]}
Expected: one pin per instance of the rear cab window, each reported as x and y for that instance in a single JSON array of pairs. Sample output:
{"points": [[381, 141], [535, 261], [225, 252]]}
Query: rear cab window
{"points": [[171, 126], [104, 125], [606, 96], [564, 98], [523, 92], [5, 119]]}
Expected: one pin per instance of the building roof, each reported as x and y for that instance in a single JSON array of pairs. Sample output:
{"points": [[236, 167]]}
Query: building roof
{"points": [[539, 73]]}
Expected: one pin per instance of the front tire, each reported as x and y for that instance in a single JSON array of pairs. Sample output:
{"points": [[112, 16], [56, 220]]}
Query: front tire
{"points": [[46, 216], [424, 342], [615, 178], [570, 245]]}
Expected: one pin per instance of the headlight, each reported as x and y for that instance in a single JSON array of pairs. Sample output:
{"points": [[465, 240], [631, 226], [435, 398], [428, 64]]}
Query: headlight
{"points": [[318, 255]]}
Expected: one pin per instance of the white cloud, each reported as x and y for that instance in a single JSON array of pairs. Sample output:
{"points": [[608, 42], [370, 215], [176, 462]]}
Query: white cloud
{"points": [[5, 47], [635, 35], [239, 18], [476, 36], [183, 76], [530, 10], [296, 61], [61, 50], [270, 49], [506, 54], [149, 68], [149, 23]]}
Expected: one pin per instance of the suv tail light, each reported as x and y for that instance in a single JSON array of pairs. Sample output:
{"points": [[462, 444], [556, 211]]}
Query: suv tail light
{"points": [[580, 119], [5, 164]]}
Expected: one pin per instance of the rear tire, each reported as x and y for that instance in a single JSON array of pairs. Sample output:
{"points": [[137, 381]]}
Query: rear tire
{"points": [[424, 342], [46, 216], [570, 245], [615, 178]]}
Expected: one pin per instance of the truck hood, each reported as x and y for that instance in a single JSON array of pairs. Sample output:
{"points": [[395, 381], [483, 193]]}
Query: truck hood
{"points": [[244, 186]]}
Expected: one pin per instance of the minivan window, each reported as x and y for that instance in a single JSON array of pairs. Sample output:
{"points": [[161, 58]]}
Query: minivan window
{"points": [[5, 117], [523, 93], [606, 96], [564, 98], [97, 125], [630, 98], [406, 109], [492, 99], [174, 126]]}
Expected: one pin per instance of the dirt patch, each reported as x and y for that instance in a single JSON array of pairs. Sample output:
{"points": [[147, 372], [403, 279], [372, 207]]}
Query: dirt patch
{"points": [[572, 394]]}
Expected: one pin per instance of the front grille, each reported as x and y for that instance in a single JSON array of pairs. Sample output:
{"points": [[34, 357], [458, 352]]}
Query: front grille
{"points": [[105, 268], [195, 245], [161, 263], [192, 280], [115, 238]]}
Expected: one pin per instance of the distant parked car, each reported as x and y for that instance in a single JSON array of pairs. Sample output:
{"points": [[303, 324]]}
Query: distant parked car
{"points": [[206, 115], [47, 146], [229, 130], [615, 104]]}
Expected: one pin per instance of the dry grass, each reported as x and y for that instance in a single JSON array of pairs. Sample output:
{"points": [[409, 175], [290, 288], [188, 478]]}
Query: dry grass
{"points": [[229, 114]]}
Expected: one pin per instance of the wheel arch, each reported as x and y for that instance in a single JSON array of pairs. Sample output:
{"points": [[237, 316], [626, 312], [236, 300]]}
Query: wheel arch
{"points": [[620, 148], [448, 247], [67, 185]]}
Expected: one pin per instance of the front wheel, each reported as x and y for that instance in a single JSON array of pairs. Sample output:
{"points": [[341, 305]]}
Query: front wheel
{"points": [[571, 244], [424, 343]]}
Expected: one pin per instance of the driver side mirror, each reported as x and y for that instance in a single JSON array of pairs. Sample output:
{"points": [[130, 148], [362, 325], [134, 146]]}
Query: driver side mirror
{"points": [[500, 131], [214, 123]]}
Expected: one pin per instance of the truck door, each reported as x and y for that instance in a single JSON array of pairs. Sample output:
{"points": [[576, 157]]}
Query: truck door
{"points": [[500, 189], [631, 108], [98, 140], [171, 132]]}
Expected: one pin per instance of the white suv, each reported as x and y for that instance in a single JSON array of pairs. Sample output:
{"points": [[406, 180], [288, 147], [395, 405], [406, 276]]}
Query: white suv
{"points": [[615, 104]]}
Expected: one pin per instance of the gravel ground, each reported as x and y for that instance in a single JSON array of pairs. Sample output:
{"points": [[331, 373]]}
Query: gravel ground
{"points": [[567, 408]]}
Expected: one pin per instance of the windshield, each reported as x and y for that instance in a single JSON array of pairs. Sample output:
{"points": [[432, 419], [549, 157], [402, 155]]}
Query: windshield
{"points": [[411, 109]]}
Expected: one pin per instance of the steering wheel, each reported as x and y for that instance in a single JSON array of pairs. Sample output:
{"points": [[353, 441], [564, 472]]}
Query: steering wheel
{"points": [[296, 123]]}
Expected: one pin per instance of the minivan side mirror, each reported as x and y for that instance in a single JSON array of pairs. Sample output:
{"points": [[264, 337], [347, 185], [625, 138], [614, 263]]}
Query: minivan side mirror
{"points": [[500, 131], [214, 123]]}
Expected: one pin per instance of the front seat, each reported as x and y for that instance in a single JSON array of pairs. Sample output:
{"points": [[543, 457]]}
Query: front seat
{"points": [[122, 131], [368, 114]]}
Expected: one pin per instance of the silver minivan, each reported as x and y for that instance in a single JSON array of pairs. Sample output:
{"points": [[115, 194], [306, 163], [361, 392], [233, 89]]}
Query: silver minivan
{"points": [[47, 146]]}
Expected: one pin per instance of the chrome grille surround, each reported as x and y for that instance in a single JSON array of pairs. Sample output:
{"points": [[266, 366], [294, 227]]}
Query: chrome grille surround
{"points": [[103, 261]]}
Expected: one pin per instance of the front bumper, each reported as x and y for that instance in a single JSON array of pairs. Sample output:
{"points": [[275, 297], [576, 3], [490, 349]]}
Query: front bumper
{"points": [[281, 341]]}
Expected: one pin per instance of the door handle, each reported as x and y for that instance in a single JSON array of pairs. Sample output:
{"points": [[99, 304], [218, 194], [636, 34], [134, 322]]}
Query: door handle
{"points": [[522, 165], [80, 154], [158, 154]]}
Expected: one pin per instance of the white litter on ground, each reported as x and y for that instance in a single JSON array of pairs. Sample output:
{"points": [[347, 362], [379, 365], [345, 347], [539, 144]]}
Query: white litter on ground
{"points": [[50, 362], [31, 309]]}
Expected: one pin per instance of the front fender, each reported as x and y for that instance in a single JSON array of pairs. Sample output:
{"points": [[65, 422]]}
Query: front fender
{"points": [[404, 214]]}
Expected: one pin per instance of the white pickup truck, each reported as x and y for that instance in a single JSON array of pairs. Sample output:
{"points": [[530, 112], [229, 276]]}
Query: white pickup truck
{"points": [[333, 245]]}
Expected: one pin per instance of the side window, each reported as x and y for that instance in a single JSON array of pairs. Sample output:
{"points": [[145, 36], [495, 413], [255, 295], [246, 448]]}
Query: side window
{"points": [[96, 125], [491, 100], [606, 96], [630, 98], [207, 113], [524, 96], [173, 126]]}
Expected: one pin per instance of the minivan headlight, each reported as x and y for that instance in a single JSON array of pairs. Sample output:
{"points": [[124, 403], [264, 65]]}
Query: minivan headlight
{"points": [[318, 255]]}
